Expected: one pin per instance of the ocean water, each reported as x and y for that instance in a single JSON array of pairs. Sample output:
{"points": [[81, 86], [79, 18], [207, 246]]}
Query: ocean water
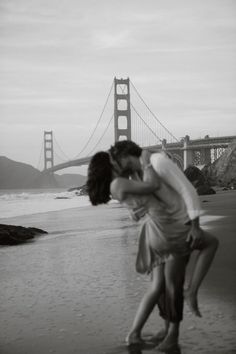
{"points": [[19, 202], [32, 201]]}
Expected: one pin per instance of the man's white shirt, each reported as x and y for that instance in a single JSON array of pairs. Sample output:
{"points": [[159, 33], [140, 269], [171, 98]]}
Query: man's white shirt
{"points": [[176, 179]]}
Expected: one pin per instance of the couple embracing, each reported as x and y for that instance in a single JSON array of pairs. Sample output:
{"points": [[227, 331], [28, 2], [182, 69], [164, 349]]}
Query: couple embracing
{"points": [[157, 193]]}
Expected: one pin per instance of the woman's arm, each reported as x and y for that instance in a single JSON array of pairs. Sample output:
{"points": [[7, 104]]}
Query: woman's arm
{"points": [[120, 187], [149, 174]]}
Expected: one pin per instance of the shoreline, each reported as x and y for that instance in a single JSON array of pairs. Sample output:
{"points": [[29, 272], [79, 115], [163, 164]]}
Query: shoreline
{"points": [[76, 289]]}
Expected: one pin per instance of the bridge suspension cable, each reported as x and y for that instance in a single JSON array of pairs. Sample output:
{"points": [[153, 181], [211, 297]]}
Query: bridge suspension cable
{"points": [[104, 132], [151, 130], [155, 117], [66, 157], [108, 125], [99, 120], [137, 125], [57, 158], [40, 157]]}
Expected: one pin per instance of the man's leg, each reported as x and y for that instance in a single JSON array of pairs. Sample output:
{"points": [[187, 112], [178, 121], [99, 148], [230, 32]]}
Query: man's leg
{"points": [[161, 304], [174, 280]]}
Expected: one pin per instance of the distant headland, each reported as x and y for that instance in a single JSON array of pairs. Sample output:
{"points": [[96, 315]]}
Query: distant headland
{"points": [[19, 175]]}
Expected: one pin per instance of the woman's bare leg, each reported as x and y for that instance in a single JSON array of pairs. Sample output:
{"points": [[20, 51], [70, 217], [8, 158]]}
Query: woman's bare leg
{"points": [[146, 305], [205, 257]]}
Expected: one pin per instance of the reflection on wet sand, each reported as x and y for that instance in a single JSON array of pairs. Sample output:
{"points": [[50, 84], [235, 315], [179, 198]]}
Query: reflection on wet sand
{"points": [[148, 349]]}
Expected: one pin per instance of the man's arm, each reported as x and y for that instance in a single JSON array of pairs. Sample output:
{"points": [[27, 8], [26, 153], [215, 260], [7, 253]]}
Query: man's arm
{"points": [[173, 176]]}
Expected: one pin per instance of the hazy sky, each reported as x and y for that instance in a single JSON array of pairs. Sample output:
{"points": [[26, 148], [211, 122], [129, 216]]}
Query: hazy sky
{"points": [[59, 57]]}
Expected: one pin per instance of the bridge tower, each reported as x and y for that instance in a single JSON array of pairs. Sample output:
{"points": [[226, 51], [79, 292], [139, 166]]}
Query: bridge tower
{"points": [[48, 149], [122, 114]]}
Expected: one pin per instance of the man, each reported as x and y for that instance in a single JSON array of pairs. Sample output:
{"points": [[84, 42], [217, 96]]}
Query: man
{"points": [[131, 158]]}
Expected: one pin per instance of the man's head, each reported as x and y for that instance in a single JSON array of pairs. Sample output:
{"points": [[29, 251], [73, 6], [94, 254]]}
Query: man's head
{"points": [[126, 153]]}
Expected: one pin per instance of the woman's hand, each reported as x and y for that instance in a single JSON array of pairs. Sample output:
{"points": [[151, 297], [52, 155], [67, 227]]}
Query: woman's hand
{"points": [[150, 176], [145, 158]]}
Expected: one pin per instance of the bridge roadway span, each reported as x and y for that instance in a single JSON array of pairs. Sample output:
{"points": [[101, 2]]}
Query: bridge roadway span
{"points": [[77, 162], [197, 144]]}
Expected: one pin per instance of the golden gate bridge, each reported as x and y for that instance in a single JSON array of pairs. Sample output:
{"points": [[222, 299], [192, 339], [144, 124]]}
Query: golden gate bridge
{"points": [[132, 119]]}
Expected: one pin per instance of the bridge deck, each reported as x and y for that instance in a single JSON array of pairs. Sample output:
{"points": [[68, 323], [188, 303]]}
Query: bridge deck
{"points": [[196, 144]]}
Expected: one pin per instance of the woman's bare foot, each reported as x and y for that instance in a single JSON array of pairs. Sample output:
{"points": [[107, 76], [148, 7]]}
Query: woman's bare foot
{"points": [[133, 338], [160, 336], [191, 300]]}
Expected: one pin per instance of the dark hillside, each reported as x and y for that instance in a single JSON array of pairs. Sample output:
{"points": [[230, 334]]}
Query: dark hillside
{"points": [[18, 175]]}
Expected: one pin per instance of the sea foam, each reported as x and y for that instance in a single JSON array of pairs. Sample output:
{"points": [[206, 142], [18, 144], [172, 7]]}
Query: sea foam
{"points": [[25, 203]]}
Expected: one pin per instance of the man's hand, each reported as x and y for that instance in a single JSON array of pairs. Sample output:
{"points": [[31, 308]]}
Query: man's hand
{"points": [[195, 235]]}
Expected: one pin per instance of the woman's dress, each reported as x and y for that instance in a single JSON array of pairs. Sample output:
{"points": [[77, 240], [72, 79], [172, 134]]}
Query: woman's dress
{"points": [[164, 227]]}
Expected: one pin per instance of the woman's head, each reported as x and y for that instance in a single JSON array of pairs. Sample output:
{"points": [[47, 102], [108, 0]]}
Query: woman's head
{"points": [[99, 178]]}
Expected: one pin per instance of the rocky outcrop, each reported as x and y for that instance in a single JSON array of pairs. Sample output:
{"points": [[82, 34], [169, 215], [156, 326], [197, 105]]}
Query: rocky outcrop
{"points": [[79, 190], [222, 172], [14, 235], [198, 180]]}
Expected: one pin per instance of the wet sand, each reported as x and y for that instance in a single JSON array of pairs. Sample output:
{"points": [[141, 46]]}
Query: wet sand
{"points": [[76, 290]]}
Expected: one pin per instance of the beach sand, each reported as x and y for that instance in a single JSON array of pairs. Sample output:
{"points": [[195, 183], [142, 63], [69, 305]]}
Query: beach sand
{"points": [[75, 290]]}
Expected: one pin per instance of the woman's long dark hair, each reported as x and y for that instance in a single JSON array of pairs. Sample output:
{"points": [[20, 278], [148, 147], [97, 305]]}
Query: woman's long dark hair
{"points": [[99, 178]]}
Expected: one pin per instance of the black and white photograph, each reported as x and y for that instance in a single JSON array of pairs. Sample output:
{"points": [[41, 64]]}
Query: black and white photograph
{"points": [[117, 177]]}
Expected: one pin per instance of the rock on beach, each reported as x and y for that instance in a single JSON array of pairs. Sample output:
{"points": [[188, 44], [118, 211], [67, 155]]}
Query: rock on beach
{"points": [[13, 235]]}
